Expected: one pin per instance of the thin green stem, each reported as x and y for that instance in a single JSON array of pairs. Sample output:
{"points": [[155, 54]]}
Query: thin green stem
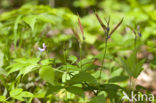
{"points": [[80, 45], [65, 54], [104, 54]]}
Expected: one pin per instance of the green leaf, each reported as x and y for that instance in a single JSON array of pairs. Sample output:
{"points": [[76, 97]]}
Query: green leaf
{"points": [[2, 98], [98, 99], [25, 94], [47, 74], [70, 67], [76, 90], [48, 18], [19, 98], [18, 94], [118, 79], [28, 69], [110, 87], [132, 66], [90, 67], [126, 67], [15, 28], [30, 20], [73, 59], [47, 61], [52, 89], [15, 92], [3, 72], [24, 66], [139, 68], [132, 61], [82, 77], [90, 39], [85, 61]]}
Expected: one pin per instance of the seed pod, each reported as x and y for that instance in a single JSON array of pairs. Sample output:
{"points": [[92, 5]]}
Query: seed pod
{"points": [[116, 27], [81, 28], [100, 21], [131, 29]]}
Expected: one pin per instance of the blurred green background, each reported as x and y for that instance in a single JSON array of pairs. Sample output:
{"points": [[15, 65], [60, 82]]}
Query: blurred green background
{"points": [[26, 24]]}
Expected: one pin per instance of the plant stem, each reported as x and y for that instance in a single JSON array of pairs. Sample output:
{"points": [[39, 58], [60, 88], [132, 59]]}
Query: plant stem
{"points": [[104, 54], [65, 55], [65, 62], [80, 45]]}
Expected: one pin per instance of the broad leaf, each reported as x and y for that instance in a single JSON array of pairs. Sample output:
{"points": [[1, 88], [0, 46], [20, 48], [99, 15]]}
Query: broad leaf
{"points": [[118, 79], [73, 59], [2, 98], [85, 61], [52, 89], [30, 20], [90, 67], [47, 74], [15, 92], [76, 90], [19, 94], [3, 72], [82, 77], [70, 67], [98, 99], [139, 68], [126, 67], [25, 94], [24, 66]]}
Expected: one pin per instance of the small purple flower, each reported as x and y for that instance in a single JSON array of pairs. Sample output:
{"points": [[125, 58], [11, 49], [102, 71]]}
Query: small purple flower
{"points": [[138, 29], [42, 49], [139, 34], [108, 29]]}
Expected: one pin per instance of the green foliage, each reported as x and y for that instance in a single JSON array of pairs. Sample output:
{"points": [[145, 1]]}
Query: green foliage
{"points": [[76, 90], [2, 98], [132, 66], [47, 74], [82, 77], [73, 59], [24, 66], [98, 99], [61, 73], [19, 94]]}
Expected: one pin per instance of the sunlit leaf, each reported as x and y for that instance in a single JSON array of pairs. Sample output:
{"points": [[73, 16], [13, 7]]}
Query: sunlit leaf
{"points": [[30, 20], [47, 74]]}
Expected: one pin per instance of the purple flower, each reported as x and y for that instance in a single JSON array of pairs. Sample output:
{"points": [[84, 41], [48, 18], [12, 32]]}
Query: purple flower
{"points": [[43, 48], [139, 33]]}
